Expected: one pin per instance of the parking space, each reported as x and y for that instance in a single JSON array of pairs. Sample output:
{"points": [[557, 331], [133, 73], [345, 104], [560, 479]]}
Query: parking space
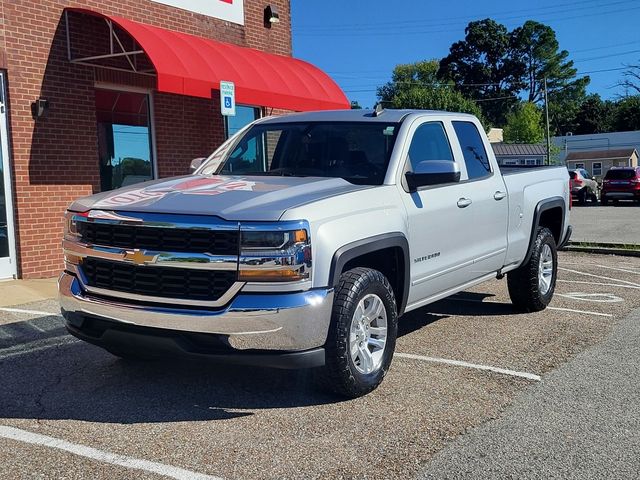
{"points": [[456, 369], [611, 224]]}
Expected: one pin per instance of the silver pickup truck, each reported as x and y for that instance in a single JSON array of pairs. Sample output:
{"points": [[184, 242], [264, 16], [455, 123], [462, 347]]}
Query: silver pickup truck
{"points": [[304, 238]]}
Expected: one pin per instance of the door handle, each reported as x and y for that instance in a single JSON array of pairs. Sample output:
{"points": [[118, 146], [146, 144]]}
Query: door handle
{"points": [[464, 202], [499, 195]]}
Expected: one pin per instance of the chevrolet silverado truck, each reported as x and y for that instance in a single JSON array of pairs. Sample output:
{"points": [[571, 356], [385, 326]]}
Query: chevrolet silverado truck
{"points": [[303, 239]]}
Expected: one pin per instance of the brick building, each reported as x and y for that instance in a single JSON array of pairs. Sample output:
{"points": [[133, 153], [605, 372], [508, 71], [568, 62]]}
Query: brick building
{"points": [[101, 94]]}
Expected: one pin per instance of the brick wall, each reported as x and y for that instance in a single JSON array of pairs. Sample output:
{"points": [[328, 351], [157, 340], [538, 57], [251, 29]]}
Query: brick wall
{"points": [[55, 157]]}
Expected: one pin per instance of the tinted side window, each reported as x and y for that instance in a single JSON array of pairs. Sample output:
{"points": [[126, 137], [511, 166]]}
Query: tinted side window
{"points": [[475, 156], [429, 143]]}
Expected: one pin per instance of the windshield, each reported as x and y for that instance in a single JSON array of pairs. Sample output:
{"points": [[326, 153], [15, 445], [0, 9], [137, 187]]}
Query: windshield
{"points": [[357, 152]]}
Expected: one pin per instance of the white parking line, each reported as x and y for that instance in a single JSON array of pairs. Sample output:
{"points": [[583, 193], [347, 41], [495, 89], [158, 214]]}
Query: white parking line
{"points": [[458, 363], [29, 312], [600, 284], [102, 456], [36, 346], [599, 276], [635, 272], [586, 312], [592, 297]]}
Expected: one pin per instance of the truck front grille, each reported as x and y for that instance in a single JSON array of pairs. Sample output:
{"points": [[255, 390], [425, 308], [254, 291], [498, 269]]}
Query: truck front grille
{"points": [[166, 282], [215, 242]]}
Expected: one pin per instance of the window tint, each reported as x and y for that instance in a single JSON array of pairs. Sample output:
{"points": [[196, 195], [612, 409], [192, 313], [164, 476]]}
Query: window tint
{"points": [[475, 156], [620, 174], [429, 143], [586, 174]]}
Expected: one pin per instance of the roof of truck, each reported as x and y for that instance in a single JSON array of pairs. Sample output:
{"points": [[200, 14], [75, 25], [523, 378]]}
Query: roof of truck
{"points": [[386, 116]]}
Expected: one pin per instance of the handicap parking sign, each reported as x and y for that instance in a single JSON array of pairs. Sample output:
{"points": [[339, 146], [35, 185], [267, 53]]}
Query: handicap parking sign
{"points": [[228, 98]]}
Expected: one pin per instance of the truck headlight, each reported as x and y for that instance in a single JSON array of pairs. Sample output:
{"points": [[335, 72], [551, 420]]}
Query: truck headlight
{"points": [[70, 226], [274, 255]]}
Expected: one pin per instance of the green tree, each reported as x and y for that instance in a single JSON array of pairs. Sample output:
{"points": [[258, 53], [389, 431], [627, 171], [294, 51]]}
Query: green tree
{"points": [[535, 47], [417, 86], [594, 116], [627, 114], [355, 105], [524, 125], [483, 68]]}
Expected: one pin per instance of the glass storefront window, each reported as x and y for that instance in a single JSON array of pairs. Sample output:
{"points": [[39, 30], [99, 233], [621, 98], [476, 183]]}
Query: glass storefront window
{"points": [[243, 117], [124, 138]]}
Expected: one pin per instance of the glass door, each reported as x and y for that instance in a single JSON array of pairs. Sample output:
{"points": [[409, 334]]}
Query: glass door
{"points": [[124, 138], [7, 239]]}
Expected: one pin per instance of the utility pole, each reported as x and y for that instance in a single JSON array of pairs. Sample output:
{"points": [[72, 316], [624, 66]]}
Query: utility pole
{"points": [[546, 110]]}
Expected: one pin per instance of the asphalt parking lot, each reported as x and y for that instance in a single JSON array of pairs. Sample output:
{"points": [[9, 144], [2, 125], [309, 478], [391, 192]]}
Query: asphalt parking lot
{"points": [[611, 224], [70, 410]]}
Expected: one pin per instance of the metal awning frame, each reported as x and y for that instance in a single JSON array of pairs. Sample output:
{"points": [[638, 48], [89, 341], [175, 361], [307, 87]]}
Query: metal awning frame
{"points": [[131, 56]]}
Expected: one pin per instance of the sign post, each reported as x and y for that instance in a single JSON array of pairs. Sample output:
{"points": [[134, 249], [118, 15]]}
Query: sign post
{"points": [[228, 98]]}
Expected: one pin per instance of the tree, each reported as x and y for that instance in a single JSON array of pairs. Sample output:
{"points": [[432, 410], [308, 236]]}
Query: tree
{"points": [[631, 79], [355, 105], [524, 125], [482, 68], [627, 114], [416, 85], [535, 47], [594, 116]]}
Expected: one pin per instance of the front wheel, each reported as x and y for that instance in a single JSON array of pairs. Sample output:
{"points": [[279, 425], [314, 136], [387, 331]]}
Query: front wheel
{"points": [[531, 285], [362, 334]]}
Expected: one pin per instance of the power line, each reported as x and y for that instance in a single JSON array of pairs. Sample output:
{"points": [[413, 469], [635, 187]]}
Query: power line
{"points": [[522, 12], [377, 33]]}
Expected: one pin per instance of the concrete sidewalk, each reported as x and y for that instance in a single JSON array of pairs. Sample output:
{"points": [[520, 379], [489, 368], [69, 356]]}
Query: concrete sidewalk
{"points": [[582, 421], [17, 292]]}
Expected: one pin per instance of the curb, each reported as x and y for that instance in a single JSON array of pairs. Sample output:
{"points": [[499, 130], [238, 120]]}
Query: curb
{"points": [[604, 248]]}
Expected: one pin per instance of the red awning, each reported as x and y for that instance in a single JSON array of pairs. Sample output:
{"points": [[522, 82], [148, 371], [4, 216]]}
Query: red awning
{"points": [[190, 65]]}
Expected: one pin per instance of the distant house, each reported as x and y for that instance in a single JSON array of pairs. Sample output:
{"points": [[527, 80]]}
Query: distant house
{"points": [[597, 162], [520, 153]]}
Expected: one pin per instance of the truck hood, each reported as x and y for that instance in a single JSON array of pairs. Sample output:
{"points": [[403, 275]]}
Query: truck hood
{"points": [[242, 198]]}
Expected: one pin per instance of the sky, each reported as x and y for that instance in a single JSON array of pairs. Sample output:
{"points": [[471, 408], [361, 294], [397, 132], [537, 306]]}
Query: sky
{"points": [[359, 42]]}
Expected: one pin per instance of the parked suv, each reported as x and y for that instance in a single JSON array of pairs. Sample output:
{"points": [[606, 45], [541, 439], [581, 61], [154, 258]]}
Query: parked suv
{"points": [[583, 186], [621, 183]]}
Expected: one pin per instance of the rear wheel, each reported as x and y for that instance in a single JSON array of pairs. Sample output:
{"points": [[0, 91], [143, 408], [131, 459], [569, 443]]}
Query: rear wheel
{"points": [[603, 200], [362, 334], [531, 285], [582, 197]]}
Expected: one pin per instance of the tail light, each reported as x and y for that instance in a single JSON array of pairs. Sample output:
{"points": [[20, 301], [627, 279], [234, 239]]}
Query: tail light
{"points": [[577, 182]]}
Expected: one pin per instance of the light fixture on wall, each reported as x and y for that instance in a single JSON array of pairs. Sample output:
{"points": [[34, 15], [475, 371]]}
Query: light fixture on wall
{"points": [[39, 108], [271, 16]]}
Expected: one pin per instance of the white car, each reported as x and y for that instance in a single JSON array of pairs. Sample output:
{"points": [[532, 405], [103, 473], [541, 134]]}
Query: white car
{"points": [[303, 239]]}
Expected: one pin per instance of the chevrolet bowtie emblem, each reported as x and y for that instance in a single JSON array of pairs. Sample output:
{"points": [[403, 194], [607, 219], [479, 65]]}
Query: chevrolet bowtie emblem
{"points": [[139, 257]]}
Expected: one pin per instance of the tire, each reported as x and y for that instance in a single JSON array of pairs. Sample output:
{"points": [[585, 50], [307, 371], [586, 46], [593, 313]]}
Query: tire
{"points": [[594, 198], [582, 197], [351, 375], [528, 292], [603, 200]]}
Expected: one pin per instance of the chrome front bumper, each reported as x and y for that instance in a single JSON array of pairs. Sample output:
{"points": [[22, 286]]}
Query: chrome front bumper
{"points": [[279, 322]]}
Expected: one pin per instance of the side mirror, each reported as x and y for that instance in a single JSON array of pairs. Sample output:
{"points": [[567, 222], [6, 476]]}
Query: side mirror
{"points": [[196, 163], [432, 172]]}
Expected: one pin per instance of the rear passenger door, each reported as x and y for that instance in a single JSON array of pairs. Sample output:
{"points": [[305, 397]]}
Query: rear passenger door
{"points": [[489, 204]]}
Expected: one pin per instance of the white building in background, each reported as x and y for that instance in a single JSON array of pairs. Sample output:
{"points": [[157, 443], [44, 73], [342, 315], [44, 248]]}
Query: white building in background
{"points": [[597, 142]]}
